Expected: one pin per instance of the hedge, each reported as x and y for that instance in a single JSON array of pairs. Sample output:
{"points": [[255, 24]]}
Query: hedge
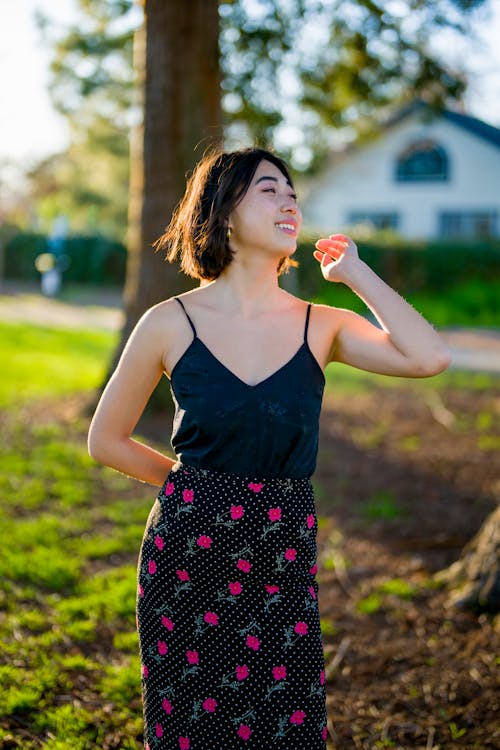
{"points": [[93, 259], [414, 266]]}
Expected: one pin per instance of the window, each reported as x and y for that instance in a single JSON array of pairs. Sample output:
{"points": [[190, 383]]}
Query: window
{"points": [[468, 224], [423, 161], [378, 219]]}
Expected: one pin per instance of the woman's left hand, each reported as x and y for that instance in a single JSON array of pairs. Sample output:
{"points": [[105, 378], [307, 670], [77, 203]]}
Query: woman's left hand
{"points": [[338, 255]]}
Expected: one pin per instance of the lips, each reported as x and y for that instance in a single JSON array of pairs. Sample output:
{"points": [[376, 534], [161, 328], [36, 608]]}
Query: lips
{"points": [[289, 227]]}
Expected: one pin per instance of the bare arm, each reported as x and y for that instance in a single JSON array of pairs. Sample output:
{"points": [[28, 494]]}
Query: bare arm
{"points": [[123, 401], [407, 345]]}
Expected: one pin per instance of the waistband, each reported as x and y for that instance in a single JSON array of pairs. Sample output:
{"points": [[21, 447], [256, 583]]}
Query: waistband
{"points": [[221, 476]]}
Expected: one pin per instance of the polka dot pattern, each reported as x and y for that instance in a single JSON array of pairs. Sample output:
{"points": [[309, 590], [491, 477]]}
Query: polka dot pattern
{"points": [[227, 614]]}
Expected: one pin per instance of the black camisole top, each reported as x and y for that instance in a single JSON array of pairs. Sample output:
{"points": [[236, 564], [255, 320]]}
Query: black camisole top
{"points": [[270, 429]]}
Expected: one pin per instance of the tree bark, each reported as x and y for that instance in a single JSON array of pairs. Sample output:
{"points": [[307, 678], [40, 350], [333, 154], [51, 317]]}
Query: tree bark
{"points": [[474, 579], [176, 57]]}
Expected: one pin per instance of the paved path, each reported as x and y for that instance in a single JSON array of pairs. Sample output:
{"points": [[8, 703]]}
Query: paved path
{"points": [[475, 349]]}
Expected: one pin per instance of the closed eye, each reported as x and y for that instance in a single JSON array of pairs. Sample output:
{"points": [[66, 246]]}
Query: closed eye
{"points": [[272, 190]]}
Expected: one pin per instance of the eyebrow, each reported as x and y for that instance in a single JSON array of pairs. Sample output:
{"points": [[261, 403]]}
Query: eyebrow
{"points": [[274, 179]]}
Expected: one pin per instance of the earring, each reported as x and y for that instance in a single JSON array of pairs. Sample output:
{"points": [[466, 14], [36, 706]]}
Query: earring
{"points": [[228, 234]]}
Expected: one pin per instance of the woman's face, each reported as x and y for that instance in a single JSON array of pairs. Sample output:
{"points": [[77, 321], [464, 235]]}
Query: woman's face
{"points": [[268, 216]]}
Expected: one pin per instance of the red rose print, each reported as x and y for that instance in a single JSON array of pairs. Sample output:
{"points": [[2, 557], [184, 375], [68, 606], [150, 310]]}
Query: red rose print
{"points": [[182, 575], [141, 590], [244, 565], [184, 743], [235, 588], [322, 677], [188, 496], [204, 541], [211, 618], [159, 730], [272, 589], [255, 487], [169, 488], [162, 648], [159, 542], [312, 592], [192, 657], [313, 570], [144, 670], [210, 704], [310, 521], [253, 642], [274, 514], [151, 567], [290, 554], [301, 628], [279, 673], [167, 705], [324, 733], [236, 512], [297, 717], [244, 732], [241, 672], [167, 622]]}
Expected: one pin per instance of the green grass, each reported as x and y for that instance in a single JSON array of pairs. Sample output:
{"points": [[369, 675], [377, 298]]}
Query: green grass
{"points": [[40, 361], [70, 532]]}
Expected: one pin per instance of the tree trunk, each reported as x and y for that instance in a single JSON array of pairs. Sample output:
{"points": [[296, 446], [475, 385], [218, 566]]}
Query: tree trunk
{"points": [[176, 57], [474, 579]]}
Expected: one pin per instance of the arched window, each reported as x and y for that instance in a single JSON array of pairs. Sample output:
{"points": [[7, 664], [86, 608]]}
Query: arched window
{"points": [[423, 161]]}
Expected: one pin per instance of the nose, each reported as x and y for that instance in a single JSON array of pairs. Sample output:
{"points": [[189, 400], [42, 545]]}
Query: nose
{"points": [[290, 206]]}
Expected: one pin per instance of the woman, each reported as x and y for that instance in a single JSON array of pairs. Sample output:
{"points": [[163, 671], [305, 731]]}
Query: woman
{"points": [[227, 601]]}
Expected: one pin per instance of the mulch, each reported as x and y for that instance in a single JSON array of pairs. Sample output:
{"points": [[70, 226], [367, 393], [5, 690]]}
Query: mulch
{"points": [[417, 672]]}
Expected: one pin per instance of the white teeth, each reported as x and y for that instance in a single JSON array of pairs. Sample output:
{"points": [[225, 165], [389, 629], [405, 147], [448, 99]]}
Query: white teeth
{"points": [[286, 226]]}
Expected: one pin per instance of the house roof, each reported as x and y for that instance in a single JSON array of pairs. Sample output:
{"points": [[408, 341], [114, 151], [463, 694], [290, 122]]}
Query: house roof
{"points": [[478, 127]]}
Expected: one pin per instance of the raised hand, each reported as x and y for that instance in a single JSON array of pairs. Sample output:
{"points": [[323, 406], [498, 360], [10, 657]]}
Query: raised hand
{"points": [[338, 254]]}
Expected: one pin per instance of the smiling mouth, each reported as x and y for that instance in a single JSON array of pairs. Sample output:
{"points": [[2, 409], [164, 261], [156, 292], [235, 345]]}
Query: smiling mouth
{"points": [[287, 228]]}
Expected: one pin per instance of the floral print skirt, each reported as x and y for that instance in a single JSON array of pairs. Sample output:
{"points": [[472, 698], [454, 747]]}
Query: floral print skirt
{"points": [[227, 615]]}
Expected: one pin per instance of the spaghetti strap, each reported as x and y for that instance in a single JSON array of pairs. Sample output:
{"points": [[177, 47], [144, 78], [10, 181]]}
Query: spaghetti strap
{"points": [[307, 322], [187, 316]]}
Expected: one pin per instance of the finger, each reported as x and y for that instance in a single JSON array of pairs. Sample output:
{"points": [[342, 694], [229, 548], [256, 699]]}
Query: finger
{"points": [[327, 242], [341, 237], [327, 246]]}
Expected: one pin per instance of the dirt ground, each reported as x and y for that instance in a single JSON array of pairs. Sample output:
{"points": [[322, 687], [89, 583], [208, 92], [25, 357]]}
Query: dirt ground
{"points": [[415, 673]]}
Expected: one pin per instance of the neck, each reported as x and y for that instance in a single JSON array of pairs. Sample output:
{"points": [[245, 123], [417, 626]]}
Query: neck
{"points": [[247, 288]]}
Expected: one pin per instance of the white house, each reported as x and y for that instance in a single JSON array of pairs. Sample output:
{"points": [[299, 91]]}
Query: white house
{"points": [[426, 175]]}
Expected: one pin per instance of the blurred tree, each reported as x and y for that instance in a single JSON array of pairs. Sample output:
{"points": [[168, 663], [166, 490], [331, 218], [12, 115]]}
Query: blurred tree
{"points": [[92, 84], [89, 183], [180, 101]]}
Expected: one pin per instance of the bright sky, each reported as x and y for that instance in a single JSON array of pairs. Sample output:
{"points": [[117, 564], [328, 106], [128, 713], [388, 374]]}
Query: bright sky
{"points": [[30, 129]]}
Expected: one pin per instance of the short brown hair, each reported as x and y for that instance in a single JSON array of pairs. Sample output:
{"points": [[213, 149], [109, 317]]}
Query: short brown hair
{"points": [[198, 229]]}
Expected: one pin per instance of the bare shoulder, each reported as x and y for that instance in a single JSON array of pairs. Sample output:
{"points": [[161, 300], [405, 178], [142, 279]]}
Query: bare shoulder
{"points": [[163, 315], [157, 328], [326, 322]]}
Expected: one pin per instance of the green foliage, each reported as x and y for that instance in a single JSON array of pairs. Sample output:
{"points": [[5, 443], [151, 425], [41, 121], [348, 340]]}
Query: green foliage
{"points": [[369, 604], [413, 267], [381, 505], [293, 74], [398, 587], [327, 627], [94, 259], [448, 283]]}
